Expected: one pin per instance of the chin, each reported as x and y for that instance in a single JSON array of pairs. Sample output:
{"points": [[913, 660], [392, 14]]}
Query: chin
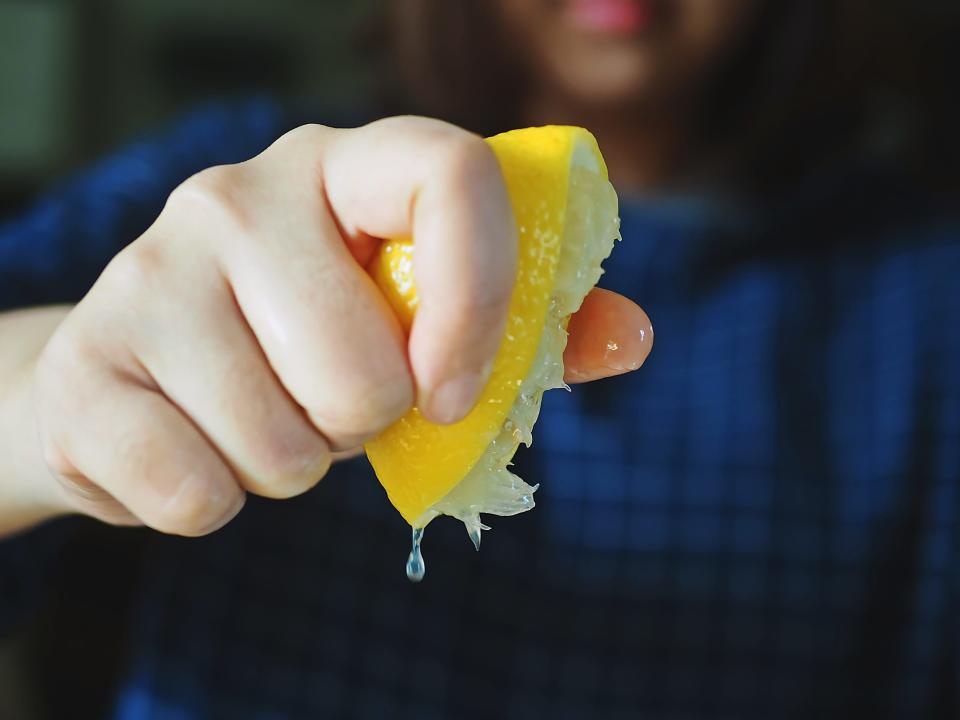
{"points": [[605, 74], [608, 88], [611, 97]]}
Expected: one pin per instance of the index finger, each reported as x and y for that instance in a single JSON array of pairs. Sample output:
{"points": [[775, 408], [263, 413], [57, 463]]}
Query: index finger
{"points": [[441, 185]]}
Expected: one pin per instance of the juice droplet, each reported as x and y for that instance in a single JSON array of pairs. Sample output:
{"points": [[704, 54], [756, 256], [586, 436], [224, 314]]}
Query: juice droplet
{"points": [[415, 566]]}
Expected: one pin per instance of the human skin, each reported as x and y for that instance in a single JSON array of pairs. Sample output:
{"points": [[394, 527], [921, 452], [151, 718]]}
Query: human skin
{"points": [[630, 70], [238, 346]]}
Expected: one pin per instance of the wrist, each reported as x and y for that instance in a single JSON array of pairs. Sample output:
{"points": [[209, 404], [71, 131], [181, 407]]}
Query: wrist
{"points": [[29, 493]]}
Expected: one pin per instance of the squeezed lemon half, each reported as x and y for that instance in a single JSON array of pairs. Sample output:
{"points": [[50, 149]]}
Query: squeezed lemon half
{"points": [[567, 222]]}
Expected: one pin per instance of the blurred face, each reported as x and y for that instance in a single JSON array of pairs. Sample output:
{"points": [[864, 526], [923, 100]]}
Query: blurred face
{"points": [[623, 52]]}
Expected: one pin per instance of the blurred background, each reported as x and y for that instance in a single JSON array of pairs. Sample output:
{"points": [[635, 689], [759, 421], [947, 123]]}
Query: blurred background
{"points": [[77, 77]]}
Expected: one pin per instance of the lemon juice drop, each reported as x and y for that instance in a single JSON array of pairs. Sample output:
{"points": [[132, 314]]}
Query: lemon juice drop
{"points": [[415, 566]]}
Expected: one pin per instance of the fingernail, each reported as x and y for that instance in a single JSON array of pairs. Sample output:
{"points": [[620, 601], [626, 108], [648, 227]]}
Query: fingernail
{"points": [[629, 353], [454, 398]]}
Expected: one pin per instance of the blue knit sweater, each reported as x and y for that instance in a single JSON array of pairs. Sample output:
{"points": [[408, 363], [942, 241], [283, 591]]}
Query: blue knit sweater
{"points": [[761, 523]]}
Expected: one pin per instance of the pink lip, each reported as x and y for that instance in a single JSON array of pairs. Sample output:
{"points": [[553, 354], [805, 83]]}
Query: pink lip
{"points": [[611, 16]]}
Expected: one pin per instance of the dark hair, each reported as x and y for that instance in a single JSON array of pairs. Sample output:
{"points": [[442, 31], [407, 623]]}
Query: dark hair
{"points": [[810, 80], [450, 60], [816, 80]]}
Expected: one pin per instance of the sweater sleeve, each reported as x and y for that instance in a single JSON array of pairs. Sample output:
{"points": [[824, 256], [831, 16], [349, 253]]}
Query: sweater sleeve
{"points": [[54, 252]]}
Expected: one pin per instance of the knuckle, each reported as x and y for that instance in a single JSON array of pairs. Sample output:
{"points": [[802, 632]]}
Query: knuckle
{"points": [[58, 356], [213, 194], [194, 509], [450, 151], [87, 497], [56, 461], [368, 411], [309, 133], [296, 154], [80, 488], [135, 271], [61, 377], [422, 127], [291, 467], [465, 157], [63, 395]]}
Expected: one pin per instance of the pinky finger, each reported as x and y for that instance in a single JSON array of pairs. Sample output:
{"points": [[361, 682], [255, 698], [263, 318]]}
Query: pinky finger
{"points": [[139, 449]]}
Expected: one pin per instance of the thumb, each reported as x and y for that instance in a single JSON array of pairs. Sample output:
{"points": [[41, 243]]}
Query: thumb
{"points": [[609, 335]]}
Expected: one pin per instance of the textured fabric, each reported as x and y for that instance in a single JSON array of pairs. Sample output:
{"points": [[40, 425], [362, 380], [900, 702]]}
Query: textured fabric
{"points": [[761, 523]]}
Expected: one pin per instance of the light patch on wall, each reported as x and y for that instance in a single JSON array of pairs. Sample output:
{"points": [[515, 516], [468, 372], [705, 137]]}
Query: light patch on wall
{"points": [[35, 81]]}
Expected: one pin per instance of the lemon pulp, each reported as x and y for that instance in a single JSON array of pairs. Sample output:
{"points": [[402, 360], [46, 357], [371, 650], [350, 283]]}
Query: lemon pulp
{"points": [[566, 212]]}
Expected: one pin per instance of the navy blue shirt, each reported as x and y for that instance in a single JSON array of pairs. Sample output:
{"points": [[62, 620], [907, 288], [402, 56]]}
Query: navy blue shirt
{"points": [[761, 523]]}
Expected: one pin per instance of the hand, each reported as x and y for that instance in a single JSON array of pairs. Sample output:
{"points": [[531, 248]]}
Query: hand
{"points": [[239, 343]]}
